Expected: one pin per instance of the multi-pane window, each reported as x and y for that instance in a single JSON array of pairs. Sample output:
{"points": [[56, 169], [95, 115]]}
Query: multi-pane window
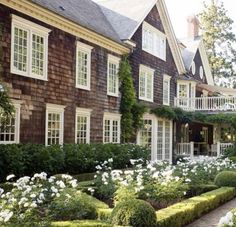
{"points": [[164, 137], [111, 128], [9, 127], [166, 90], [154, 41], [29, 48], [83, 66], [146, 83], [112, 76], [183, 94], [54, 124], [82, 126], [145, 134]]}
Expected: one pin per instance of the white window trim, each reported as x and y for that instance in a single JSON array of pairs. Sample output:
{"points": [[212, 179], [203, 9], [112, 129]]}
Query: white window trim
{"points": [[166, 78], [152, 71], [59, 109], [86, 49], [115, 60], [178, 88], [17, 106], [86, 113], [159, 33], [32, 28], [113, 117]]}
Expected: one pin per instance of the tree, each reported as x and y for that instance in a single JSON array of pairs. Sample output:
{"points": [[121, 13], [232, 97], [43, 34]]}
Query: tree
{"points": [[219, 41]]}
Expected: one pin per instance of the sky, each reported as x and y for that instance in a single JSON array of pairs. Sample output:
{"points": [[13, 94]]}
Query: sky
{"points": [[179, 10]]}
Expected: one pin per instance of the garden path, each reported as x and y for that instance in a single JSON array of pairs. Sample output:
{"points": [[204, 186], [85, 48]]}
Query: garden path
{"points": [[211, 219]]}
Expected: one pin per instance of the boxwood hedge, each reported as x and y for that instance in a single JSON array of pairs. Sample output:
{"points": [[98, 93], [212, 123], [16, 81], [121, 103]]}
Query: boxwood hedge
{"points": [[27, 159]]}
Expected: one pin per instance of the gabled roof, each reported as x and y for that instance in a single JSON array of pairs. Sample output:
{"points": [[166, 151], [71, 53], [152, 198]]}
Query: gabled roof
{"points": [[83, 12], [127, 15], [188, 54], [190, 51]]}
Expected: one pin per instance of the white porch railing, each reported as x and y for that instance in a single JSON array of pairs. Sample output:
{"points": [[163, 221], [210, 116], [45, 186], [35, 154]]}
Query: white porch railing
{"points": [[185, 149], [219, 148], [207, 103]]}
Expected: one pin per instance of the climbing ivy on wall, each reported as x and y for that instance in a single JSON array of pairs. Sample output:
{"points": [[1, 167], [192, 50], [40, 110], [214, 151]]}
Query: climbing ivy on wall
{"points": [[131, 111], [6, 106]]}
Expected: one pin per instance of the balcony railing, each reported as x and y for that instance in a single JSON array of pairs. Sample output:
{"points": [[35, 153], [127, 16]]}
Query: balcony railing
{"points": [[187, 149], [207, 103]]}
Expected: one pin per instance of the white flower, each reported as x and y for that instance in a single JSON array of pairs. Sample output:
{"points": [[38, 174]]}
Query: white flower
{"points": [[10, 177], [5, 215], [1, 191], [73, 183], [60, 184], [110, 160]]}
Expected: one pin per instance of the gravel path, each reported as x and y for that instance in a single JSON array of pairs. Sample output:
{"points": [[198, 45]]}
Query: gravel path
{"points": [[211, 219]]}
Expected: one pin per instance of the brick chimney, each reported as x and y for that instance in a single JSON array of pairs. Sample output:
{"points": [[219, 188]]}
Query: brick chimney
{"points": [[193, 27]]}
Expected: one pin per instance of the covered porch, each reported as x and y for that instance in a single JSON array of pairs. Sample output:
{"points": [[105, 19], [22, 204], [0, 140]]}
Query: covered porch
{"points": [[198, 139]]}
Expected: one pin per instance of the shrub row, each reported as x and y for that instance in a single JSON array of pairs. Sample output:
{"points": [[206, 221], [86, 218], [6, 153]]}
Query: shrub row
{"points": [[27, 159], [185, 212], [86, 223]]}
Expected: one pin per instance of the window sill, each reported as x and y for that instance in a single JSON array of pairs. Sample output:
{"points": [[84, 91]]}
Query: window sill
{"points": [[19, 73], [83, 87], [144, 99], [113, 95]]}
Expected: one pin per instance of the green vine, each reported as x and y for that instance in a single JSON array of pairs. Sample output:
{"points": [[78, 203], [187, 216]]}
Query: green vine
{"points": [[6, 107], [129, 108], [178, 114]]}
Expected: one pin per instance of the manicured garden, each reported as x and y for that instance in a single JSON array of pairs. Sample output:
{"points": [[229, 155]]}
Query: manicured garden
{"points": [[126, 189]]}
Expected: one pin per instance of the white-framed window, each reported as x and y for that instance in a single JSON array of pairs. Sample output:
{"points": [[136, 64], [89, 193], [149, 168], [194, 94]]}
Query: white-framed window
{"points": [[111, 128], [10, 126], [193, 67], [112, 75], [54, 124], [145, 133], [201, 72], [154, 41], [166, 90], [82, 125], [83, 66], [146, 76], [29, 49]]}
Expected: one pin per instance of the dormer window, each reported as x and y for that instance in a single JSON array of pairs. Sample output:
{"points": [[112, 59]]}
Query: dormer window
{"points": [[154, 41]]}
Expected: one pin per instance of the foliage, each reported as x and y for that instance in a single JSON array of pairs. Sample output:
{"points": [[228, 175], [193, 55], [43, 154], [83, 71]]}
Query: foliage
{"points": [[164, 112], [128, 99], [129, 108], [72, 205], [197, 189], [186, 211], [84, 223], [219, 40], [226, 179], [26, 204], [134, 212], [28, 159]]}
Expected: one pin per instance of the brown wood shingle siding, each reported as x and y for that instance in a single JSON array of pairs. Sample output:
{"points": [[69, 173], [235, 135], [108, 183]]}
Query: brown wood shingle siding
{"points": [[161, 67], [60, 87]]}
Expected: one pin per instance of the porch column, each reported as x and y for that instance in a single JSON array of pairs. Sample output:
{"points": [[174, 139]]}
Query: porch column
{"points": [[191, 150]]}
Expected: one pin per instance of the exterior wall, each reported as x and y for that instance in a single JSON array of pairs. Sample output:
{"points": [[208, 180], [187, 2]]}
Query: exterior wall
{"points": [[161, 67], [60, 87], [198, 63]]}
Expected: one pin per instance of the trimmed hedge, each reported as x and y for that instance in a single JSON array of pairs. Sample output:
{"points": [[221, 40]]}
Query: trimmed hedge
{"points": [[185, 212], [87, 223], [226, 179], [27, 159]]}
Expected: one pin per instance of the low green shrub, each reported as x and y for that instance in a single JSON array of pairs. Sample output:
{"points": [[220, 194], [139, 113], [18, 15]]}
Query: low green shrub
{"points": [[27, 159], [73, 205], [233, 158], [87, 223], [226, 179], [200, 188], [186, 211], [134, 212]]}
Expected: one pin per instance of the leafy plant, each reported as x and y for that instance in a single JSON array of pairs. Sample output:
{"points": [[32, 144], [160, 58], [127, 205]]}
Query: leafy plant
{"points": [[226, 179], [133, 212]]}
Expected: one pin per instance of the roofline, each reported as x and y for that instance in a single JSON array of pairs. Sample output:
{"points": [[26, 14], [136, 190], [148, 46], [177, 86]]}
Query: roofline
{"points": [[55, 20], [205, 63], [172, 40]]}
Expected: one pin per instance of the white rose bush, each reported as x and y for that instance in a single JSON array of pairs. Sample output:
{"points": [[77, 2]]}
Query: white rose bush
{"points": [[29, 198], [159, 183]]}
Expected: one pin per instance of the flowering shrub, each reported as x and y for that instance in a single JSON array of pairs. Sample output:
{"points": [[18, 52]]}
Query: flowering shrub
{"points": [[157, 182], [27, 202], [228, 220]]}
